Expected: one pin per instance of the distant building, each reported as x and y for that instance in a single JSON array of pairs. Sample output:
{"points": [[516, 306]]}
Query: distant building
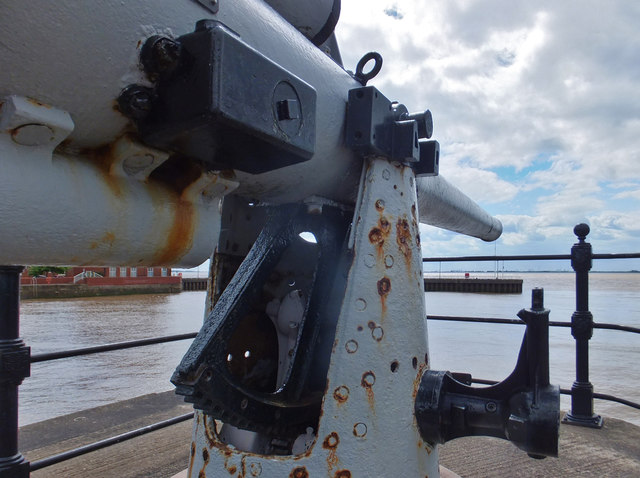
{"points": [[105, 276]]}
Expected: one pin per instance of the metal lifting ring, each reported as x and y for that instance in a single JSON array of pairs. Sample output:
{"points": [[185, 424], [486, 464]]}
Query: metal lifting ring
{"points": [[363, 77]]}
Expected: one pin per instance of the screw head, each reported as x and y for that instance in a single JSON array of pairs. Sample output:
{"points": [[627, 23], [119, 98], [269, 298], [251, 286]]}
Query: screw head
{"points": [[160, 55], [135, 101]]}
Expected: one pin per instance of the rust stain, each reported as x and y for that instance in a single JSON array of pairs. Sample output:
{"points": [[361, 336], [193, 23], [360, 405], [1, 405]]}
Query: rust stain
{"points": [[403, 238], [104, 157], [38, 103], [367, 381], [384, 287], [299, 472], [232, 470], [416, 381], [209, 434], [376, 236], [341, 394], [192, 456], [109, 238], [330, 443], [179, 236], [205, 457], [379, 234], [342, 474]]}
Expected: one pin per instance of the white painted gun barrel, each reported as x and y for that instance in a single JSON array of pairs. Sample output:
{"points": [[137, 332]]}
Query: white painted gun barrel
{"points": [[77, 187], [442, 205]]}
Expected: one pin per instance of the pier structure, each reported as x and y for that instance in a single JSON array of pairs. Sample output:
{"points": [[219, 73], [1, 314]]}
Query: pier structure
{"points": [[485, 285]]}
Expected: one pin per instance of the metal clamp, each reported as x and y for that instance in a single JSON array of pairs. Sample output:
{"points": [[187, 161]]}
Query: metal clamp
{"points": [[523, 408]]}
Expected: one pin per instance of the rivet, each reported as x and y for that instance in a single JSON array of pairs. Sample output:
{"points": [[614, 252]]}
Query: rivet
{"points": [[331, 441], [32, 135], [377, 333], [137, 163], [386, 174], [351, 346], [369, 260], [368, 379], [341, 394], [361, 304], [255, 469], [388, 261], [360, 429]]}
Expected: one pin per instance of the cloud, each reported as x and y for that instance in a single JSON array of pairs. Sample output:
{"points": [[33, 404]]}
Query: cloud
{"points": [[549, 90]]}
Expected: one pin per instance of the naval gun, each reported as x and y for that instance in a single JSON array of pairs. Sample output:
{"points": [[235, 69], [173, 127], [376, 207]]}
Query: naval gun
{"points": [[169, 132]]}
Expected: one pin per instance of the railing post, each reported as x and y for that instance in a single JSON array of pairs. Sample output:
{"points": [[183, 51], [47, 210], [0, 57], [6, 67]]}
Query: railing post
{"points": [[582, 329], [14, 367]]}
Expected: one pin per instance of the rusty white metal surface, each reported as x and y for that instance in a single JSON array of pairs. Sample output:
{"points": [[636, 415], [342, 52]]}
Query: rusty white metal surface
{"points": [[443, 205], [100, 210], [77, 56], [367, 426]]}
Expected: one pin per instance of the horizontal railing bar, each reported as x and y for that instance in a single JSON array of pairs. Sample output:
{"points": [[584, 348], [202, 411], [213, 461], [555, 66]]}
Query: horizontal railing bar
{"points": [[566, 391], [67, 455], [109, 347], [531, 257], [613, 398], [541, 257], [493, 320], [631, 255]]}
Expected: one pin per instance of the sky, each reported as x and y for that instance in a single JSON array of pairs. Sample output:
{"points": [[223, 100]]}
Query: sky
{"points": [[536, 106]]}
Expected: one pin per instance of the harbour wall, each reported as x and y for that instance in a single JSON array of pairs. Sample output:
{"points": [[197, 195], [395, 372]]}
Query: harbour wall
{"points": [[67, 291]]}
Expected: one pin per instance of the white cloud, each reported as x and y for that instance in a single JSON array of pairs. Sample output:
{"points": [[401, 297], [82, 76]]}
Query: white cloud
{"points": [[549, 89]]}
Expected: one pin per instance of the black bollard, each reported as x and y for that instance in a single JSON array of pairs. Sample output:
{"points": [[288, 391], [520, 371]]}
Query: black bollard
{"points": [[14, 367], [582, 329]]}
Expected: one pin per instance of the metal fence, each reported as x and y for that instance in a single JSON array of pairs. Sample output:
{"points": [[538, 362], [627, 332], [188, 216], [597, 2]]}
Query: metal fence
{"points": [[15, 356]]}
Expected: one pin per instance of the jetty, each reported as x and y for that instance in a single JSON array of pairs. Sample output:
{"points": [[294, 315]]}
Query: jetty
{"points": [[612, 451], [483, 286]]}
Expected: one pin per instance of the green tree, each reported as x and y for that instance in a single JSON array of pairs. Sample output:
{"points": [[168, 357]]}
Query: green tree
{"points": [[42, 270]]}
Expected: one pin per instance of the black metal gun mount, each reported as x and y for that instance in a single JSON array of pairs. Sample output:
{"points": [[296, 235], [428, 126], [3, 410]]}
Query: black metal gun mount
{"points": [[523, 408]]}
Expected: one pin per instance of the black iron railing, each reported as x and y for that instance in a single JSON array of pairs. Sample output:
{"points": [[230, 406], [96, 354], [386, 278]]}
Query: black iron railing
{"points": [[15, 357]]}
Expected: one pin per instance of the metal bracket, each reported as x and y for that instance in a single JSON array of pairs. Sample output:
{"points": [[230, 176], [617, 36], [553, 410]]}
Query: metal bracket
{"points": [[523, 408], [222, 102], [15, 361], [204, 376], [379, 127]]}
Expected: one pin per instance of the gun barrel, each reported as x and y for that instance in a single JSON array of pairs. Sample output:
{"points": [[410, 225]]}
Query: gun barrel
{"points": [[441, 204]]}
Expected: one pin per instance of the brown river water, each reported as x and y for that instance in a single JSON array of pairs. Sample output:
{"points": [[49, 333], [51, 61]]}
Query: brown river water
{"points": [[487, 351]]}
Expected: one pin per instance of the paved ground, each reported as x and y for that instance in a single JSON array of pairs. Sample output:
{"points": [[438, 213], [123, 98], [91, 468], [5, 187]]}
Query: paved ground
{"points": [[159, 454], [613, 451]]}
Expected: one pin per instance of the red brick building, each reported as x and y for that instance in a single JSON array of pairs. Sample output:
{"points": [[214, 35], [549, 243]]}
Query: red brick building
{"points": [[106, 276]]}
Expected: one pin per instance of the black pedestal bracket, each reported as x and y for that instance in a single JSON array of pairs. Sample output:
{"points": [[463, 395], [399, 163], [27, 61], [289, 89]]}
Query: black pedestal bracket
{"points": [[523, 408], [203, 376]]}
